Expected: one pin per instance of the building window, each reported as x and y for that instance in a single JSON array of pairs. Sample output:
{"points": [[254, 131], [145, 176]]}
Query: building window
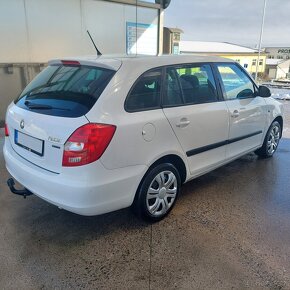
{"points": [[260, 62], [254, 62], [271, 56], [245, 65], [280, 57], [176, 36], [175, 48]]}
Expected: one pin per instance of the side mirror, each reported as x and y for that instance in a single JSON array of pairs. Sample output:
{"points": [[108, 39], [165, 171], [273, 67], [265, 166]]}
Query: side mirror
{"points": [[264, 92]]}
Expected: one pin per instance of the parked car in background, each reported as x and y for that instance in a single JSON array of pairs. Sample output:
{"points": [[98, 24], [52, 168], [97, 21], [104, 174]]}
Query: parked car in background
{"points": [[97, 134]]}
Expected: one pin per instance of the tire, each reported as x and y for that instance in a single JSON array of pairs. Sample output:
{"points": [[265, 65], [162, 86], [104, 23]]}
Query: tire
{"points": [[271, 141], [157, 193]]}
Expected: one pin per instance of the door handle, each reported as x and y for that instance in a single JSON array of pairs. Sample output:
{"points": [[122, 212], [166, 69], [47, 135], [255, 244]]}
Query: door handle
{"points": [[183, 123], [235, 114]]}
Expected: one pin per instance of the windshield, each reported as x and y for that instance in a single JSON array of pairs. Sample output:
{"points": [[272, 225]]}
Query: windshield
{"points": [[66, 91]]}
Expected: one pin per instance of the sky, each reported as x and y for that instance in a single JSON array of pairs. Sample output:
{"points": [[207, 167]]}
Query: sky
{"points": [[235, 21]]}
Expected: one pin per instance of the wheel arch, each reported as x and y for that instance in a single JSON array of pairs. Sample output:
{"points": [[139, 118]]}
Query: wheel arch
{"points": [[279, 119], [170, 158], [174, 160]]}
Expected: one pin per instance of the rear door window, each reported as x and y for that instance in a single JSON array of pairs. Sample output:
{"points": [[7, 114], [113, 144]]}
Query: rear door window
{"points": [[189, 84], [65, 90], [197, 84], [145, 93]]}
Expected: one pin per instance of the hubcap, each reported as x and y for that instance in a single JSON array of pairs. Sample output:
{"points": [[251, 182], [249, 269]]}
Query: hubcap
{"points": [[161, 193], [273, 140]]}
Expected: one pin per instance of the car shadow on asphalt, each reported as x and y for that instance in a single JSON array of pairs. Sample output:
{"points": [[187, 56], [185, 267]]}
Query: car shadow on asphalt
{"points": [[248, 167], [46, 222]]}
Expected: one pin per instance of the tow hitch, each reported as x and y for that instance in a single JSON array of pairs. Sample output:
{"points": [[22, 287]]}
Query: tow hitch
{"points": [[24, 192]]}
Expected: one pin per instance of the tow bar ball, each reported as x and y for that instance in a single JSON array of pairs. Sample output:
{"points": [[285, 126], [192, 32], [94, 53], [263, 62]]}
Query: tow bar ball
{"points": [[24, 192]]}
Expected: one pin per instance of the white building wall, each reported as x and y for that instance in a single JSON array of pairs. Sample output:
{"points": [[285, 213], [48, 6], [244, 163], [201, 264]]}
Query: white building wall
{"points": [[34, 31], [278, 52], [13, 36], [283, 70], [38, 30]]}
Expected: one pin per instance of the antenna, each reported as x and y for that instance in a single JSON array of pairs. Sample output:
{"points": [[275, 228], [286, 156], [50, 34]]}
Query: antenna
{"points": [[98, 52]]}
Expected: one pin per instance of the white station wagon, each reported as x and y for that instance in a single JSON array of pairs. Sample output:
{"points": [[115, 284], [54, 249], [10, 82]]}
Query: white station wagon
{"points": [[96, 134]]}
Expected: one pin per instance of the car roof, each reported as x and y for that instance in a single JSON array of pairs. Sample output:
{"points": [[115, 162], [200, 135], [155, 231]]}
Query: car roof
{"points": [[114, 62]]}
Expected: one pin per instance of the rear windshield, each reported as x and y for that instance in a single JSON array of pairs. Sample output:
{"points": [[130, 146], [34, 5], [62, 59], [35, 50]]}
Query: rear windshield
{"points": [[65, 91]]}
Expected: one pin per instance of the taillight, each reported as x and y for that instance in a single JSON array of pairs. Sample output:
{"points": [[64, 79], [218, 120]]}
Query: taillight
{"points": [[6, 130], [87, 144]]}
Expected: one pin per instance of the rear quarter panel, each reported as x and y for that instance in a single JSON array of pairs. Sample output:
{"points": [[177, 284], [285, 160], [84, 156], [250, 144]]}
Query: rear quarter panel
{"points": [[128, 146]]}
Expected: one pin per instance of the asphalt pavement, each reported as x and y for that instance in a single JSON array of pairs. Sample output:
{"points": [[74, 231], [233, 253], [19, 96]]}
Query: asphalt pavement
{"points": [[230, 229]]}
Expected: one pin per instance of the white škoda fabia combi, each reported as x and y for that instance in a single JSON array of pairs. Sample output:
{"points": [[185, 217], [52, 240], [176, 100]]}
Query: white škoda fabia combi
{"points": [[97, 134]]}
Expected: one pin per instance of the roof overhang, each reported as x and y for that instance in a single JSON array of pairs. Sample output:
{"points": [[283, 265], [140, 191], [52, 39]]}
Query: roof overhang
{"points": [[139, 3], [175, 30]]}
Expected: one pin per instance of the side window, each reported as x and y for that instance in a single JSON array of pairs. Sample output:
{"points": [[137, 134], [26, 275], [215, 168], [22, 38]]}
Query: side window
{"points": [[145, 94], [197, 84], [236, 83], [172, 95]]}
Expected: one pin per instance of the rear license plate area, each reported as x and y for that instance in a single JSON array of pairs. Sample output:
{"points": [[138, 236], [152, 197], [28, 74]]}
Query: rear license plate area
{"points": [[29, 143]]}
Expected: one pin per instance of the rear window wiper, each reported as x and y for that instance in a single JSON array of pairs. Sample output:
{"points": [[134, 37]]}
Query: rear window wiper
{"points": [[34, 106]]}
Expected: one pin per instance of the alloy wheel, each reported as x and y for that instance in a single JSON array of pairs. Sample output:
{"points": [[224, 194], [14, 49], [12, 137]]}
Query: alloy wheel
{"points": [[273, 140]]}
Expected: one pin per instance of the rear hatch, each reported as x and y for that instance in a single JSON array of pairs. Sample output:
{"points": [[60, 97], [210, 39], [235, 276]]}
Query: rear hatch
{"points": [[51, 108]]}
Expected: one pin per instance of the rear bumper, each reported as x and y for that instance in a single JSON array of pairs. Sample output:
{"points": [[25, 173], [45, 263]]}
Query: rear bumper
{"points": [[87, 190]]}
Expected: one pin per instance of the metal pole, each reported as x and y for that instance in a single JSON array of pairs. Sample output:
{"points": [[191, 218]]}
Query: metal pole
{"points": [[260, 41], [136, 30]]}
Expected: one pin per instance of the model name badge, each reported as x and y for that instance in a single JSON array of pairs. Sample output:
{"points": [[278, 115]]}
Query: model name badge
{"points": [[53, 139]]}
